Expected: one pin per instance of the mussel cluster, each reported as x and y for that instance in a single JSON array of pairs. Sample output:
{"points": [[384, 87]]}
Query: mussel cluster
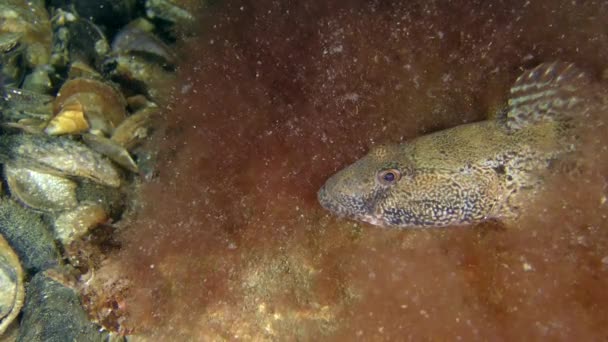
{"points": [[81, 84]]}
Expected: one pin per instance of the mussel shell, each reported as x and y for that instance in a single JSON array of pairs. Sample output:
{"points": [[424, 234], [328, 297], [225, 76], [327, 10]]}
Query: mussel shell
{"points": [[31, 20], [136, 38], [12, 291], [60, 53], [9, 40], [94, 96], [12, 67], [21, 104], [87, 42], [110, 149], [135, 128], [168, 10], [38, 80], [41, 191], [76, 223], [71, 120], [57, 155], [140, 74], [82, 69]]}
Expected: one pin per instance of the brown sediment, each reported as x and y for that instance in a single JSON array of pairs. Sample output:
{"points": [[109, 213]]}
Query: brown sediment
{"points": [[276, 96]]}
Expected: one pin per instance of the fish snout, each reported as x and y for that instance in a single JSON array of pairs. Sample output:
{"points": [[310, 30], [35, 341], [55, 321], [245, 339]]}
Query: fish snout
{"points": [[324, 198], [339, 196]]}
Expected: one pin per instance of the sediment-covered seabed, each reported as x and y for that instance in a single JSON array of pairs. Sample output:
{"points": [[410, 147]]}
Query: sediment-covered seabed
{"points": [[275, 96]]}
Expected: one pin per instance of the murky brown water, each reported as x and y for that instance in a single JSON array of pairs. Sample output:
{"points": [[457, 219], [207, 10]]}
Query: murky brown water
{"points": [[277, 95]]}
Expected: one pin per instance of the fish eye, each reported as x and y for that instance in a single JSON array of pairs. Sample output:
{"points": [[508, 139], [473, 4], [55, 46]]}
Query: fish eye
{"points": [[388, 177]]}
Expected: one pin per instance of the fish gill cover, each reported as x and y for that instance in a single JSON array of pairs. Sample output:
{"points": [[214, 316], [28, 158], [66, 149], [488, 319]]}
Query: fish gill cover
{"points": [[275, 96]]}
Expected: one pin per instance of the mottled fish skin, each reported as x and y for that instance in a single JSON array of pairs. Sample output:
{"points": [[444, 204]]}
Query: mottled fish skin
{"points": [[469, 173]]}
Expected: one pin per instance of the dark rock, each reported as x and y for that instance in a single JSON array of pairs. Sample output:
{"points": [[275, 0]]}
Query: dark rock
{"points": [[31, 239], [53, 312]]}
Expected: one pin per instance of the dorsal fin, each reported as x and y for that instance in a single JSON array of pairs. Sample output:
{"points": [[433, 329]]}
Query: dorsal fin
{"points": [[551, 91]]}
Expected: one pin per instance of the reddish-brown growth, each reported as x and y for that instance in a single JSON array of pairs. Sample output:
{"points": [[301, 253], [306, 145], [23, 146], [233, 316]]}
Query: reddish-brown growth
{"points": [[274, 96]]}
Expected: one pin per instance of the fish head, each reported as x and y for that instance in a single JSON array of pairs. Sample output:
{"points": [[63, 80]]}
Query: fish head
{"points": [[389, 187], [360, 189]]}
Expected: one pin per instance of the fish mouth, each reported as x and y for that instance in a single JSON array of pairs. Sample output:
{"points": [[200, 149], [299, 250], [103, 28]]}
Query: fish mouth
{"points": [[372, 219], [335, 206]]}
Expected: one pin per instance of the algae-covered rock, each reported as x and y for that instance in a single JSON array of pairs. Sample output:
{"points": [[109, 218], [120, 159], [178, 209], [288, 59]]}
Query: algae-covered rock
{"points": [[53, 312], [29, 236]]}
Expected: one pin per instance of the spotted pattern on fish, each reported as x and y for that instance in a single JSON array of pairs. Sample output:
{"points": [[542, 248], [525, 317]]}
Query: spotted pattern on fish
{"points": [[469, 173]]}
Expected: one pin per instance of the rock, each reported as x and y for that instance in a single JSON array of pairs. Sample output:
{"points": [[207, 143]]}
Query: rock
{"points": [[53, 312], [28, 236]]}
